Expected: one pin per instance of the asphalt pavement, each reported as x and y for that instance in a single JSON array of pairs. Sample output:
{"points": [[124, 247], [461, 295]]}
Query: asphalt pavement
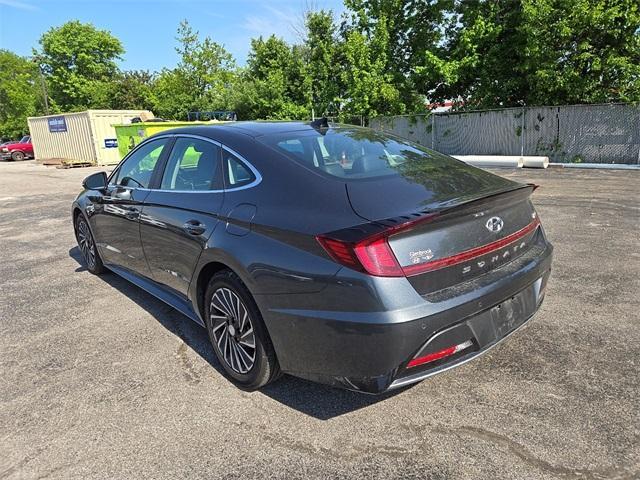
{"points": [[98, 379]]}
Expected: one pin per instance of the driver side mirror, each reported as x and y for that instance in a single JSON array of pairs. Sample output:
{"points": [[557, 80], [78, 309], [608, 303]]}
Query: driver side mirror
{"points": [[95, 181]]}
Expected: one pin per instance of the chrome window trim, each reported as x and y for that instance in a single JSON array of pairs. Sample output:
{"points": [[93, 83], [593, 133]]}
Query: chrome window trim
{"points": [[198, 137], [256, 173]]}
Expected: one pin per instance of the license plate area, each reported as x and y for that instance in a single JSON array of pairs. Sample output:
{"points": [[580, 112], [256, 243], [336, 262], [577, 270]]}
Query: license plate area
{"points": [[497, 322]]}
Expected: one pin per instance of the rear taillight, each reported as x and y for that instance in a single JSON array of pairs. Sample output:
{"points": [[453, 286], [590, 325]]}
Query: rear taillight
{"points": [[341, 252], [377, 258], [371, 255], [374, 256]]}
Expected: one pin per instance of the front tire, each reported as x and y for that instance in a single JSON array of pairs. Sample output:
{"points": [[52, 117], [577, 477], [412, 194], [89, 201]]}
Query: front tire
{"points": [[17, 156], [237, 333], [87, 246]]}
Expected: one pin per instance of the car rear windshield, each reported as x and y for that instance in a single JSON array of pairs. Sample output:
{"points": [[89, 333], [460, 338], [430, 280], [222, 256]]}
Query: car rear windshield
{"points": [[352, 153]]}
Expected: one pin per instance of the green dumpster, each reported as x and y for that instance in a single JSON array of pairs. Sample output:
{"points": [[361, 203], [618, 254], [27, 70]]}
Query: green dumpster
{"points": [[132, 134]]}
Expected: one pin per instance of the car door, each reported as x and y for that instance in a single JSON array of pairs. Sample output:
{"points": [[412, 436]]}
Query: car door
{"points": [[182, 212], [115, 220]]}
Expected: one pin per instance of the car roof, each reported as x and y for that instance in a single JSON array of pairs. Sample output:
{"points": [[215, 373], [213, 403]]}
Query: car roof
{"points": [[251, 128]]}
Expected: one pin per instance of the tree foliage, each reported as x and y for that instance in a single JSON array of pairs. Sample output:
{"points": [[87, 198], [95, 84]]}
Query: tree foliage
{"points": [[272, 84], [581, 51], [80, 63], [322, 62], [381, 57], [201, 80], [414, 28], [370, 89], [133, 89], [538, 52], [20, 94]]}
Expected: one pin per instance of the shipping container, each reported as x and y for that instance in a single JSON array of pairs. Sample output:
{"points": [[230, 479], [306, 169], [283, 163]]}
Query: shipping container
{"points": [[84, 137]]}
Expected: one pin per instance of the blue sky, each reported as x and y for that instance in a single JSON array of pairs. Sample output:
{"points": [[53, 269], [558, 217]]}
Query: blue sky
{"points": [[147, 28]]}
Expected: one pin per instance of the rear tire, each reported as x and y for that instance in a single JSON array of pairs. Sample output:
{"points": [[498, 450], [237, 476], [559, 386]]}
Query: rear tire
{"points": [[238, 334], [17, 156], [87, 246]]}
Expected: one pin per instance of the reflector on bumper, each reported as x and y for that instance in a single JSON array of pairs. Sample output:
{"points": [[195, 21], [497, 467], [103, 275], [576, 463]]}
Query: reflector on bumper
{"points": [[445, 352]]}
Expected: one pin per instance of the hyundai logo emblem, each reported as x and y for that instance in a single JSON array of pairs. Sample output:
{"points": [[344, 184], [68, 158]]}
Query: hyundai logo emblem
{"points": [[494, 224]]}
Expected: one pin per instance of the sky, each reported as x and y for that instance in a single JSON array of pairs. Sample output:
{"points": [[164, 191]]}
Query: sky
{"points": [[147, 28]]}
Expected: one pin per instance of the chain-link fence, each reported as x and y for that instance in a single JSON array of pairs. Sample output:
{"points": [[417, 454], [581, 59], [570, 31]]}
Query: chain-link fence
{"points": [[579, 134], [359, 120]]}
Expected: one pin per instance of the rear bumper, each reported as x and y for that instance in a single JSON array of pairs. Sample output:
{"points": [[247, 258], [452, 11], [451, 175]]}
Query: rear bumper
{"points": [[485, 330], [369, 351]]}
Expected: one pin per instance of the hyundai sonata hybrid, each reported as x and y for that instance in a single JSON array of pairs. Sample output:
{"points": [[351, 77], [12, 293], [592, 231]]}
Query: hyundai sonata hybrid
{"points": [[329, 252]]}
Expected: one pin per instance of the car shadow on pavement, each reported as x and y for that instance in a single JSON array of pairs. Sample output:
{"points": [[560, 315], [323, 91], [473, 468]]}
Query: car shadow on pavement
{"points": [[316, 400]]}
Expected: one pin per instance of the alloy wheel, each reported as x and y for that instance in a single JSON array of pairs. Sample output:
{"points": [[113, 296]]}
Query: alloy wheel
{"points": [[232, 330], [86, 244]]}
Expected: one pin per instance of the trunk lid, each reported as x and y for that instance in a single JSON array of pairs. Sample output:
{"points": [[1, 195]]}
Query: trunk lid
{"points": [[482, 222]]}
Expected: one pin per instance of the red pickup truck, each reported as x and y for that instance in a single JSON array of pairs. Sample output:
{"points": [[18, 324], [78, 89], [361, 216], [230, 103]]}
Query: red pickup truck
{"points": [[17, 150]]}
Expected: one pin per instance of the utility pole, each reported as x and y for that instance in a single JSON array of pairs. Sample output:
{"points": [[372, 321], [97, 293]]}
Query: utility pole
{"points": [[44, 92], [43, 85]]}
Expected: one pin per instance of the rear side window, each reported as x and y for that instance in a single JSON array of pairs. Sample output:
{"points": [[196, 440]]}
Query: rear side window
{"points": [[236, 172], [352, 153], [192, 165]]}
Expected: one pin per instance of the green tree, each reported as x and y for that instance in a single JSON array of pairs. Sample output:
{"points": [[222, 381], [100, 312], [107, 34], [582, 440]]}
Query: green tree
{"points": [[172, 98], [369, 87], [482, 64], [272, 85], [20, 94], [80, 63], [322, 69], [133, 90], [581, 51], [202, 80], [537, 52], [413, 28]]}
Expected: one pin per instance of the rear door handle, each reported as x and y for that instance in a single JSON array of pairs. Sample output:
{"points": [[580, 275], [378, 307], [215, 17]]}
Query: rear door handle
{"points": [[194, 227]]}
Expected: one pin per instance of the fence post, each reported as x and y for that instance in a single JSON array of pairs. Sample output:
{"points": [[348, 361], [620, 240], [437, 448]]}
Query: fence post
{"points": [[433, 130], [522, 133]]}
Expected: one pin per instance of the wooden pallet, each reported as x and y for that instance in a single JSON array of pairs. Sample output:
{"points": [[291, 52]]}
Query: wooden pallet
{"points": [[49, 162], [65, 163]]}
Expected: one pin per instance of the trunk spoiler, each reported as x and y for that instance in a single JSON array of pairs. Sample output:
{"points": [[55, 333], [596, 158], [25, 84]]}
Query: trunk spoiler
{"points": [[443, 211]]}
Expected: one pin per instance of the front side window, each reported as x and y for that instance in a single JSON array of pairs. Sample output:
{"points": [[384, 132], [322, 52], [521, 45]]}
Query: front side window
{"points": [[237, 173], [191, 166], [137, 170]]}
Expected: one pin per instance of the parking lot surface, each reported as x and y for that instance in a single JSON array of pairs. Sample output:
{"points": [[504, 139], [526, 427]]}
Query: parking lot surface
{"points": [[98, 379]]}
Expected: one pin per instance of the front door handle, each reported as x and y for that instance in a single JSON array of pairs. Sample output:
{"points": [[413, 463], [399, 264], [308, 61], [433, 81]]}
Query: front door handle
{"points": [[194, 227], [121, 194]]}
